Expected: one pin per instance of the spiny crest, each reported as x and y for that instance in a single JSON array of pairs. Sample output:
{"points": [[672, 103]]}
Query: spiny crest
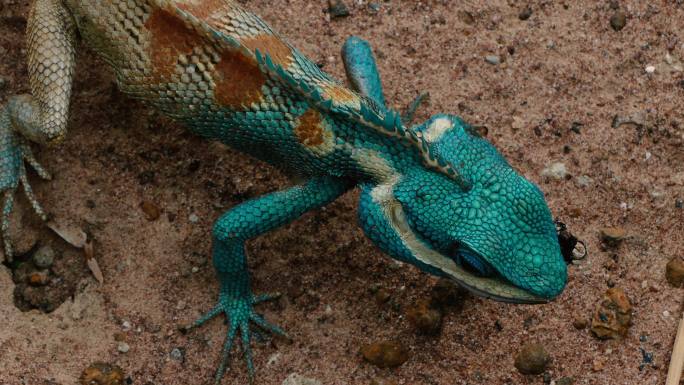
{"points": [[367, 112]]}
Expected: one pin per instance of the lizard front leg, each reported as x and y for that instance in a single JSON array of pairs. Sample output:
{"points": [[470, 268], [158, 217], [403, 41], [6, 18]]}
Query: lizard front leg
{"points": [[245, 221], [42, 116], [361, 69]]}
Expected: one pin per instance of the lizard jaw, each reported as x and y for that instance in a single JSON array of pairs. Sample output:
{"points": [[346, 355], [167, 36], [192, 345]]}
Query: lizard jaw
{"points": [[494, 287]]}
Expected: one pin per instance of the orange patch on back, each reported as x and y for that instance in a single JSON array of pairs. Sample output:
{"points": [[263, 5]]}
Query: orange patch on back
{"points": [[279, 52], [309, 131], [170, 38], [238, 80]]}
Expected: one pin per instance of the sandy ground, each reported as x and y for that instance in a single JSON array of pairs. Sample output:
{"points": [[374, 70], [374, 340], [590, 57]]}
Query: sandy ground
{"points": [[562, 67]]}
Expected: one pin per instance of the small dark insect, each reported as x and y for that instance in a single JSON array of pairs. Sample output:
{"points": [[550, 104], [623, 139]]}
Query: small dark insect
{"points": [[568, 244]]}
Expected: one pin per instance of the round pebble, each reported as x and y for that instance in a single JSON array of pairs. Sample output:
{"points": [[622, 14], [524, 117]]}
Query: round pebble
{"points": [[612, 236], [493, 59], [177, 354], [674, 272], [385, 354], [580, 322], [39, 278], [337, 8], [100, 373], [151, 210], [618, 20], [123, 347], [424, 317], [532, 359], [556, 171], [525, 13], [44, 257]]}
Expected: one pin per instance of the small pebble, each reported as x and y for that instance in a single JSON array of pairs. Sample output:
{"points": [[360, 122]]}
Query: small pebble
{"points": [[612, 236], [151, 210], [580, 322], [296, 379], [44, 257], [424, 317], [493, 59], [39, 278], [123, 347], [650, 69], [382, 381], [679, 203], [385, 354], [126, 325], [177, 354], [273, 359], [583, 181], [466, 17], [613, 316], [532, 359], [618, 20], [556, 171], [101, 373], [193, 218], [646, 359], [517, 123], [674, 272], [565, 381], [525, 13], [447, 293], [337, 8], [382, 296], [374, 7], [598, 364]]}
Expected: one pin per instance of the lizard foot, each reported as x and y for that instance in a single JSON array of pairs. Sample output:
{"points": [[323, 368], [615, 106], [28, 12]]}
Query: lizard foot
{"points": [[14, 153], [240, 313]]}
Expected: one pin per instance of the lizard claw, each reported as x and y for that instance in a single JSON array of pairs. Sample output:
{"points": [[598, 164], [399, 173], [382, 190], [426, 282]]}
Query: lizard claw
{"points": [[240, 314], [14, 153]]}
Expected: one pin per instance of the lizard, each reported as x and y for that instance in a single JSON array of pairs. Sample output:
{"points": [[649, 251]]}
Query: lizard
{"points": [[436, 195]]}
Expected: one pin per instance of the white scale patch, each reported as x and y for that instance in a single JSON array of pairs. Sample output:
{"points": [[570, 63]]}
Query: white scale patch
{"points": [[436, 129]]}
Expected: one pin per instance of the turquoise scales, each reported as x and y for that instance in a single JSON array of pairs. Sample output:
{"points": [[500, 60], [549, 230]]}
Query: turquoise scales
{"points": [[435, 195]]}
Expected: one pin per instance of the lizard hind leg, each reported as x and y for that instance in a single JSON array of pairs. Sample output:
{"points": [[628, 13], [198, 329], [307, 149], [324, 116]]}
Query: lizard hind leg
{"points": [[42, 116], [14, 151]]}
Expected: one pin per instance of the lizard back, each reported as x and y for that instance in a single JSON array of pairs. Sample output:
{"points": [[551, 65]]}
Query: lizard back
{"points": [[197, 62]]}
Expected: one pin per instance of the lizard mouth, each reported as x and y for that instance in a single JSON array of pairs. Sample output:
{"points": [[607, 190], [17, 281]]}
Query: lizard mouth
{"points": [[463, 264]]}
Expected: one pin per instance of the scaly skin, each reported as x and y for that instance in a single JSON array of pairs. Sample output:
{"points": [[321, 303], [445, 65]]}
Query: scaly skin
{"points": [[435, 195]]}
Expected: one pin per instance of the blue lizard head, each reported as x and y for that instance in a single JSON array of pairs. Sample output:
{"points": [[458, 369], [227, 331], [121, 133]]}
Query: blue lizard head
{"points": [[496, 236]]}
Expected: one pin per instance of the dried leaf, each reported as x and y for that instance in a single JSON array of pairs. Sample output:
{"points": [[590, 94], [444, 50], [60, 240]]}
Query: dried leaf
{"points": [[72, 235], [92, 262]]}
